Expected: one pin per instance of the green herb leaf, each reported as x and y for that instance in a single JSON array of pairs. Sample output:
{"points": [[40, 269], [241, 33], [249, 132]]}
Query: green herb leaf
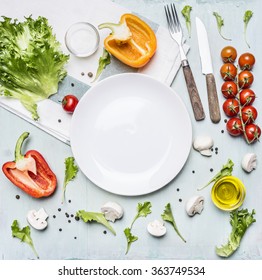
{"points": [[130, 238], [186, 14], [104, 60], [71, 171], [23, 234], [32, 64], [226, 170], [220, 24], [143, 209], [168, 217], [247, 16], [95, 217], [240, 221]]}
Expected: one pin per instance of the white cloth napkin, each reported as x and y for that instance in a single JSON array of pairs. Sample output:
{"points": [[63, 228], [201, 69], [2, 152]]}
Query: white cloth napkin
{"points": [[61, 14]]}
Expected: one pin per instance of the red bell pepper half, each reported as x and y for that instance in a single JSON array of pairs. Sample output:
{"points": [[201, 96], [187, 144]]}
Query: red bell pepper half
{"points": [[30, 172]]}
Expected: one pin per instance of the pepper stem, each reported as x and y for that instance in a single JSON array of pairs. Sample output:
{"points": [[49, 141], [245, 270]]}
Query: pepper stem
{"points": [[18, 146]]}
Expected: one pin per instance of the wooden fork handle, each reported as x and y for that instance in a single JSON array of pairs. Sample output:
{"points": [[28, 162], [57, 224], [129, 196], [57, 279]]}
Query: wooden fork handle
{"points": [[193, 92]]}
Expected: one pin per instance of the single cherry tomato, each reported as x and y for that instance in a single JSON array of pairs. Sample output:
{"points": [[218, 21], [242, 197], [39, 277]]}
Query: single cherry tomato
{"points": [[234, 127], [69, 103], [249, 114], [252, 132], [246, 61], [245, 79], [247, 97], [229, 54], [229, 89], [231, 107], [228, 71]]}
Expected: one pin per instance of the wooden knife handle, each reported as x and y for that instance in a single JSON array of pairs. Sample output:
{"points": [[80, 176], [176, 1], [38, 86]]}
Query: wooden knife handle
{"points": [[193, 93], [214, 110]]}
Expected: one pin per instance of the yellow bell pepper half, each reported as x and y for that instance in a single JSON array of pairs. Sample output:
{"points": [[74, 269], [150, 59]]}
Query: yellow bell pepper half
{"points": [[132, 41]]}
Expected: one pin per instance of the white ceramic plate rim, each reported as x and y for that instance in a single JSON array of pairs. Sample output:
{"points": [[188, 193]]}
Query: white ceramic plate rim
{"points": [[117, 188]]}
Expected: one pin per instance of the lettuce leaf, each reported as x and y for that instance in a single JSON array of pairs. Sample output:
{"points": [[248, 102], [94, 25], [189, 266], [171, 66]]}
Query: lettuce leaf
{"points": [[31, 62], [95, 217]]}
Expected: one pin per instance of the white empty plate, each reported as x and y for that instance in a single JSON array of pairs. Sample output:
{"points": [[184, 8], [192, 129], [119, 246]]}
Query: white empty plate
{"points": [[130, 134]]}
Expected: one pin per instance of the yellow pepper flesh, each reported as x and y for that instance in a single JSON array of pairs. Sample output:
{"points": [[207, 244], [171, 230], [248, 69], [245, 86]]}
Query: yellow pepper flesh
{"points": [[132, 41]]}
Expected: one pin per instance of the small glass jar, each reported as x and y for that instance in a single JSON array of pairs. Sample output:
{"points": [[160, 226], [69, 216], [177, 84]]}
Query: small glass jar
{"points": [[228, 193], [82, 39]]}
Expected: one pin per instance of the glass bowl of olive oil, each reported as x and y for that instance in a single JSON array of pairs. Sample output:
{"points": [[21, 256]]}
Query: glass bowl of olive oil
{"points": [[228, 193]]}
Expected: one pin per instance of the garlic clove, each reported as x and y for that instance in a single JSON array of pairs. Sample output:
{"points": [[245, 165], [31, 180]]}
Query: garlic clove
{"points": [[195, 205], [203, 144], [112, 211], [156, 228], [249, 162]]}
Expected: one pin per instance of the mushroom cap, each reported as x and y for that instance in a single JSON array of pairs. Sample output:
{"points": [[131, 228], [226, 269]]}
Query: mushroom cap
{"points": [[156, 228], [195, 205], [112, 211]]}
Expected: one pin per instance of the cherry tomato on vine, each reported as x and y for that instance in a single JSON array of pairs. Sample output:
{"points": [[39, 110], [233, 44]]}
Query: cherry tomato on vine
{"points": [[245, 79], [229, 54], [234, 127], [247, 97], [231, 107], [69, 103], [229, 89], [246, 61], [252, 132], [228, 71], [249, 114]]}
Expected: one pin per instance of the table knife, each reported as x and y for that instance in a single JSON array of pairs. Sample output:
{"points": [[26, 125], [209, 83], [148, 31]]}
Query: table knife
{"points": [[207, 70]]}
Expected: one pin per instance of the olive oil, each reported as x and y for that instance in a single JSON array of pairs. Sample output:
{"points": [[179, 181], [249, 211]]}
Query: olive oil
{"points": [[228, 193]]}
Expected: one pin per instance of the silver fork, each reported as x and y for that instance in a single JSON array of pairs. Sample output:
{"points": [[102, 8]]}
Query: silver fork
{"points": [[176, 33]]}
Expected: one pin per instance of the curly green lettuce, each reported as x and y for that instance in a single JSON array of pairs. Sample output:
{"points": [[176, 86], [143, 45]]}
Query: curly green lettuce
{"points": [[31, 62], [240, 221]]}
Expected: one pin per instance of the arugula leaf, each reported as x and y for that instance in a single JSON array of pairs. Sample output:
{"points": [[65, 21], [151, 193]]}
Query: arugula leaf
{"points": [[130, 238], [71, 171], [247, 16], [95, 217], [240, 221], [220, 24], [226, 170], [32, 63], [23, 234], [143, 209], [168, 217], [186, 14], [104, 60]]}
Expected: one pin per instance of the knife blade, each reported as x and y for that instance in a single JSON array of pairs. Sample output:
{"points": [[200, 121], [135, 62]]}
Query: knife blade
{"points": [[207, 70]]}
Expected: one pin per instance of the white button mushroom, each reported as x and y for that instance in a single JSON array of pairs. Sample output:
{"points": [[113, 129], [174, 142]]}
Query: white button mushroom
{"points": [[195, 205], [249, 162], [203, 144], [112, 211], [156, 228], [37, 219]]}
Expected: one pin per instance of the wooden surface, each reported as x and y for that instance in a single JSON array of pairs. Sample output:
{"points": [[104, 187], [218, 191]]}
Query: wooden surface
{"points": [[66, 238]]}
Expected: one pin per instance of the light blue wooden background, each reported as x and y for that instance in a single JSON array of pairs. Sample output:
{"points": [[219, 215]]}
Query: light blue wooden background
{"points": [[78, 240]]}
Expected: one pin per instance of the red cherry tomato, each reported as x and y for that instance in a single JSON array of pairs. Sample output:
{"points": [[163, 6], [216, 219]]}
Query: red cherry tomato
{"points": [[245, 79], [228, 71], [69, 103], [246, 61], [247, 97], [229, 89], [231, 107], [234, 127], [253, 132], [229, 54], [249, 114]]}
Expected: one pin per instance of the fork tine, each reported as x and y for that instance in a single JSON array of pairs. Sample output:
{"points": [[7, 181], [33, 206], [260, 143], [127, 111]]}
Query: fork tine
{"points": [[175, 17], [168, 17]]}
